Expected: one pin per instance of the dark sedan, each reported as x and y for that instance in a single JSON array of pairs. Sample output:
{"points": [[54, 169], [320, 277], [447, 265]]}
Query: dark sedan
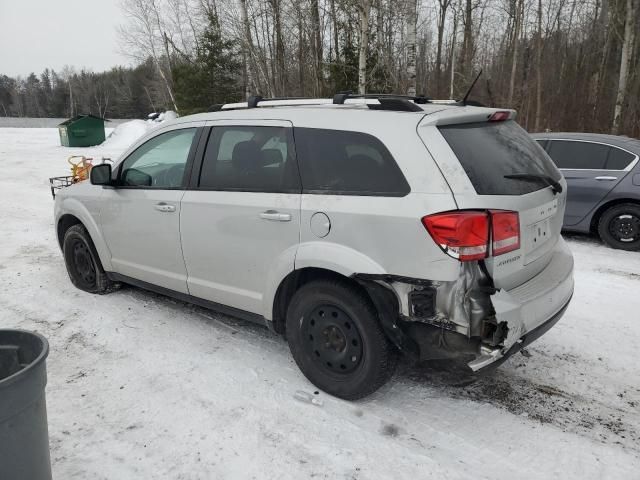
{"points": [[603, 178]]}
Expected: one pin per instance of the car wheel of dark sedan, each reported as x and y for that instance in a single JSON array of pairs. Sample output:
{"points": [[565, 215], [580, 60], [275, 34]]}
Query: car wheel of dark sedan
{"points": [[619, 226]]}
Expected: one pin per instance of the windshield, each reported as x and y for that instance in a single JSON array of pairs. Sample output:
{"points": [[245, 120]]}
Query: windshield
{"points": [[490, 150]]}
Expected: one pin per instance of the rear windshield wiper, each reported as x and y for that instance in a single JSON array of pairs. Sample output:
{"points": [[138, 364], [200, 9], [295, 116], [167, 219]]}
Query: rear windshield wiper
{"points": [[554, 184]]}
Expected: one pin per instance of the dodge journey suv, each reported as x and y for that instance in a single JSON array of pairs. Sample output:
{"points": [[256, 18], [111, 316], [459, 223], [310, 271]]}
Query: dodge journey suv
{"points": [[356, 227]]}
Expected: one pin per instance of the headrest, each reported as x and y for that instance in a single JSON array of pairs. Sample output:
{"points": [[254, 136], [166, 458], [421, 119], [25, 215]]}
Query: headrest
{"points": [[246, 157]]}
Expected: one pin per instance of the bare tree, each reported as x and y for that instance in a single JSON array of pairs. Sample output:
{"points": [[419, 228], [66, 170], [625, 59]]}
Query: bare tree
{"points": [[247, 49], [144, 38], [442, 18], [625, 58], [412, 21], [364, 7], [539, 47], [518, 12]]}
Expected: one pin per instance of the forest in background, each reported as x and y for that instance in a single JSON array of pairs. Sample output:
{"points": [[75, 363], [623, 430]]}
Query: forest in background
{"points": [[563, 64]]}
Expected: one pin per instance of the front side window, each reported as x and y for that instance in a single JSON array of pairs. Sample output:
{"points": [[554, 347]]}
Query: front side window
{"points": [[578, 155], [250, 159], [160, 162], [347, 163]]}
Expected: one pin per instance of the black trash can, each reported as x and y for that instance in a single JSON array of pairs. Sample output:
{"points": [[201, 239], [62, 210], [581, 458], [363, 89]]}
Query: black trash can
{"points": [[24, 437]]}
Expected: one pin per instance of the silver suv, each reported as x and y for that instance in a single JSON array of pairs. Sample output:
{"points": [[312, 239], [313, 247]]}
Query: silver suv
{"points": [[357, 227]]}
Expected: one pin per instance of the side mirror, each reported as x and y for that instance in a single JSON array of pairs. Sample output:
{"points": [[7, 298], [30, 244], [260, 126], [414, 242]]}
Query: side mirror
{"points": [[101, 174]]}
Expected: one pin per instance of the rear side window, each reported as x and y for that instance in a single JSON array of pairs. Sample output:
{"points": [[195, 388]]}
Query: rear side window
{"points": [[490, 150], [338, 162], [578, 155], [250, 159], [619, 159]]}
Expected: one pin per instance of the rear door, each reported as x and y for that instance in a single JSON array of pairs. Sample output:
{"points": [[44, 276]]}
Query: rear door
{"points": [[591, 169], [240, 220], [475, 158]]}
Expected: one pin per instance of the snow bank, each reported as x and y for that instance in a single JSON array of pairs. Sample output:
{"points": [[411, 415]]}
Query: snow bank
{"points": [[128, 132]]}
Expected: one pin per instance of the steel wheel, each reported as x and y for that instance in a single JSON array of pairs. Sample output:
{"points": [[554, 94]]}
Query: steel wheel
{"points": [[83, 262], [334, 339]]}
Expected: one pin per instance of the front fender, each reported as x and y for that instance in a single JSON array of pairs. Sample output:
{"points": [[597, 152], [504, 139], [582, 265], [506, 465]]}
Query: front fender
{"points": [[66, 205]]}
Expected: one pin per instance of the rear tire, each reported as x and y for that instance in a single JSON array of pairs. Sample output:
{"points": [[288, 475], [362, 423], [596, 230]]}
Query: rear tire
{"points": [[82, 261], [336, 340], [619, 226]]}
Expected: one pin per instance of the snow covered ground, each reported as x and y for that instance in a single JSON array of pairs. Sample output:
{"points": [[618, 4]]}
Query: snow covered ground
{"points": [[142, 386]]}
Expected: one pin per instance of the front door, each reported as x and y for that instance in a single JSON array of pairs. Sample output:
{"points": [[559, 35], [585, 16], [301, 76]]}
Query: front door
{"points": [[240, 221], [140, 218]]}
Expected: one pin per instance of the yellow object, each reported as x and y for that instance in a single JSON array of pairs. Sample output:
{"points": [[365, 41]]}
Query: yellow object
{"points": [[80, 168]]}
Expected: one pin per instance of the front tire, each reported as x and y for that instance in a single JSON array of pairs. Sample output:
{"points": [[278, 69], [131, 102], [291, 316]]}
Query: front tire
{"points": [[336, 340], [619, 226], [82, 261]]}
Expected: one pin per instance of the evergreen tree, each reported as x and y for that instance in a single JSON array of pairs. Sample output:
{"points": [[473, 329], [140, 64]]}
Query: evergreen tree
{"points": [[212, 76]]}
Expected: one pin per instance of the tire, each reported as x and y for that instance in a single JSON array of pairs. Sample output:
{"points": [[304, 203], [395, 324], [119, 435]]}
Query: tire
{"points": [[336, 340], [82, 261], [619, 226]]}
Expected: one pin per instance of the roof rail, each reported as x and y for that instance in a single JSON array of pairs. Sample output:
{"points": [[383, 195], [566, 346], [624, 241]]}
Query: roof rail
{"points": [[340, 97], [385, 101]]}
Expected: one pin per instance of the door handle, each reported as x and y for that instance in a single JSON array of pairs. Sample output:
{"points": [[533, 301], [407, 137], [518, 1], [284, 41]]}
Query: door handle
{"points": [[165, 207], [275, 216], [606, 179]]}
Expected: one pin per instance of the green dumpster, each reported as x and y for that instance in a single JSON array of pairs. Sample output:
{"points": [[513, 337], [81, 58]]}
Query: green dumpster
{"points": [[82, 131]]}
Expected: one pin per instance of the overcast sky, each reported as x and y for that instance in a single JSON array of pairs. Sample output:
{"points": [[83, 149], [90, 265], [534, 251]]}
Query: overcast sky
{"points": [[36, 34]]}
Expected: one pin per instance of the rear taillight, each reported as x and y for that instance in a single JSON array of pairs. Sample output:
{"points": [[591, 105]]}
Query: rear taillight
{"points": [[463, 235], [505, 231], [466, 234]]}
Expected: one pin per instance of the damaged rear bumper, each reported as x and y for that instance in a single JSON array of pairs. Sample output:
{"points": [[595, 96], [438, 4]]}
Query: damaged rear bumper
{"points": [[469, 318], [493, 360], [532, 308]]}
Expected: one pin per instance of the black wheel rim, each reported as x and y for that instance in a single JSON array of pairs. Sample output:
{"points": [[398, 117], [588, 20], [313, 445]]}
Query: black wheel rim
{"points": [[333, 339], [83, 263], [625, 227]]}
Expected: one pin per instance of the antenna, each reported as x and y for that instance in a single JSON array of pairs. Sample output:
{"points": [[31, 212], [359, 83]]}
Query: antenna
{"points": [[473, 84]]}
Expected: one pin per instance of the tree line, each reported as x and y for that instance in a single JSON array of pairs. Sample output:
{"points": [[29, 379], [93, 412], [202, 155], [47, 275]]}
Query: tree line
{"points": [[563, 64]]}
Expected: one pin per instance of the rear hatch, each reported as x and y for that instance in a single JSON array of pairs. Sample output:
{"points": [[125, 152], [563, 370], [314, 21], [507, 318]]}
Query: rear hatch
{"points": [[491, 163]]}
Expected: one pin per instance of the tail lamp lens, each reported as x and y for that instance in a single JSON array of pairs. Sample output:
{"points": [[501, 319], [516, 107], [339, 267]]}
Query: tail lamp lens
{"points": [[465, 235], [462, 235], [505, 231]]}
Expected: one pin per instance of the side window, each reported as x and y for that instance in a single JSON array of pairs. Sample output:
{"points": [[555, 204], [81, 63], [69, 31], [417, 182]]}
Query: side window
{"points": [[543, 144], [619, 159], [347, 163], [160, 162], [250, 159], [578, 155]]}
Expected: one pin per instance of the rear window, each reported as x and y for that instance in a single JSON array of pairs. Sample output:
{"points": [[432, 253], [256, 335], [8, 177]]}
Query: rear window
{"points": [[337, 162], [490, 150]]}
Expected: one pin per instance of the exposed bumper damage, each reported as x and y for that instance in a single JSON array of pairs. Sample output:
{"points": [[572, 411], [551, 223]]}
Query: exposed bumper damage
{"points": [[469, 318]]}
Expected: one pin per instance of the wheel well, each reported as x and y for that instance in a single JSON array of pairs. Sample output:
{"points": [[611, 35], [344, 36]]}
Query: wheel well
{"points": [[65, 222], [596, 216], [294, 281]]}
